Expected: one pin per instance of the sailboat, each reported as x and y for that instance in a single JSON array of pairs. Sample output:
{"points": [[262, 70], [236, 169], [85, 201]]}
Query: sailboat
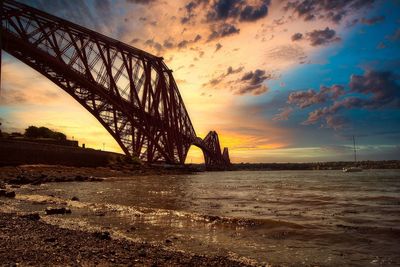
{"points": [[353, 168]]}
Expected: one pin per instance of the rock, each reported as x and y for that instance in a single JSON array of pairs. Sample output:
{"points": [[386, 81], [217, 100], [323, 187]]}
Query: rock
{"points": [[142, 253], [103, 235], [75, 199], [15, 186], [52, 211], [5, 193], [94, 179], [10, 194], [37, 182], [32, 216], [168, 241], [2, 186], [79, 178], [20, 179], [50, 239]]}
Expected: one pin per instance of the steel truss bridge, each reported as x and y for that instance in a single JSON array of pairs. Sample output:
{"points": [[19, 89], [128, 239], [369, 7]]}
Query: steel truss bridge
{"points": [[132, 93]]}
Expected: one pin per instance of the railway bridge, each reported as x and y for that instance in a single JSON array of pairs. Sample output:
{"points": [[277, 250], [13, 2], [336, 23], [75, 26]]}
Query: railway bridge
{"points": [[132, 93]]}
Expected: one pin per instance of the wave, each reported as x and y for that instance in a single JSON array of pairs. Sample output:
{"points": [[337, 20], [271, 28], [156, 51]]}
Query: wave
{"points": [[250, 222], [379, 198], [149, 214]]}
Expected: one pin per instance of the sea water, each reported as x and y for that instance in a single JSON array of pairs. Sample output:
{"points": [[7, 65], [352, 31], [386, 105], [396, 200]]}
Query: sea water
{"points": [[324, 218]]}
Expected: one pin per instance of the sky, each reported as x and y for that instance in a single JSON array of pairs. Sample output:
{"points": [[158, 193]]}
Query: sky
{"points": [[280, 81]]}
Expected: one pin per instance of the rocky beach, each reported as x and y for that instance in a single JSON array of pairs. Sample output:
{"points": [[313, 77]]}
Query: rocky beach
{"points": [[27, 238]]}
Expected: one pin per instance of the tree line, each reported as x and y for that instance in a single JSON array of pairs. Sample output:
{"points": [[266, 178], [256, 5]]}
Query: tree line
{"points": [[43, 132]]}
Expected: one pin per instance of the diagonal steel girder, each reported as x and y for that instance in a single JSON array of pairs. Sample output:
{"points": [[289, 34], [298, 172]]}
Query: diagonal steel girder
{"points": [[130, 92]]}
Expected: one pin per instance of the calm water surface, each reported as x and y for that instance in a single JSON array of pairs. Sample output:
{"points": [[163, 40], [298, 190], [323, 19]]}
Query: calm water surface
{"points": [[325, 218]]}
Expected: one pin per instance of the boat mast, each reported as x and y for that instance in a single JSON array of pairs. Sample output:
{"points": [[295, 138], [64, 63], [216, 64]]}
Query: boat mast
{"points": [[355, 153]]}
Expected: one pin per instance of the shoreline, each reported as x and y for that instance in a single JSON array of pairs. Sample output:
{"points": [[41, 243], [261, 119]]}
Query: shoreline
{"points": [[156, 244], [26, 239], [40, 174]]}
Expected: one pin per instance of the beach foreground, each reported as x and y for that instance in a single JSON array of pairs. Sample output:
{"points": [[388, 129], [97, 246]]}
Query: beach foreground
{"points": [[26, 240], [166, 217]]}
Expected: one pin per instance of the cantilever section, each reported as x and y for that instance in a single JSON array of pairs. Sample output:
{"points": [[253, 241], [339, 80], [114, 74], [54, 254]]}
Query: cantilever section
{"points": [[213, 158], [132, 93]]}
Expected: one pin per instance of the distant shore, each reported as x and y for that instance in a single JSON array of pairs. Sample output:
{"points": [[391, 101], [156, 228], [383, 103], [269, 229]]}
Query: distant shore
{"points": [[338, 165], [39, 174], [24, 152]]}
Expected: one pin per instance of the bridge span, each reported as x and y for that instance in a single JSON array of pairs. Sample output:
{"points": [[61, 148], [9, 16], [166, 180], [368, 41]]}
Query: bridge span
{"points": [[132, 93]]}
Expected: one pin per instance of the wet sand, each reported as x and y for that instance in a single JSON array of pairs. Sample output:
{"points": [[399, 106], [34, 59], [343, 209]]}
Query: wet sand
{"points": [[27, 240]]}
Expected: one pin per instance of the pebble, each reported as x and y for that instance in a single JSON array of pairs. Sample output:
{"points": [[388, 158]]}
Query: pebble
{"points": [[103, 235], [5, 193], [52, 211], [32, 216]]}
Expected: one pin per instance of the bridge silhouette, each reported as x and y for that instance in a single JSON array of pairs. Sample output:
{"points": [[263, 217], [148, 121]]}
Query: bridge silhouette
{"points": [[132, 93]]}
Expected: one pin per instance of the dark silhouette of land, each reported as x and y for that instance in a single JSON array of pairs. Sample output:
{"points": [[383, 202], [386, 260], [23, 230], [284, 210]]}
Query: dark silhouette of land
{"points": [[40, 145], [334, 165]]}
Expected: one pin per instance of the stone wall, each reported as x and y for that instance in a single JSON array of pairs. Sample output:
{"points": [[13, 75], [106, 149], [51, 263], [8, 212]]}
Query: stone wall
{"points": [[13, 152]]}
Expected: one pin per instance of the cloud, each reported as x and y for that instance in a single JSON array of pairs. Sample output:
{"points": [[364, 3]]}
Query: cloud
{"points": [[222, 30], [336, 122], [252, 83], [297, 36], [377, 89], [22, 87], [78, 12], [290, 52], [251, 13], [233, 71], [283, 115], [197, 38], [224, 9], [190, 8], [183, 44], [381, 45], [153, 44], [373, 20], [237, 10], [381, 86], [322, 37], [395, 36], [135, 40], [143, 2], [223, 16], [168, 44], [333, 10], [304, 99], [220, 78]]}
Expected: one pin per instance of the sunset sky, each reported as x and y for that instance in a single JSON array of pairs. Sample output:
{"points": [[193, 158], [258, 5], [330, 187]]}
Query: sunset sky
{"points": [[280, 81]]}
